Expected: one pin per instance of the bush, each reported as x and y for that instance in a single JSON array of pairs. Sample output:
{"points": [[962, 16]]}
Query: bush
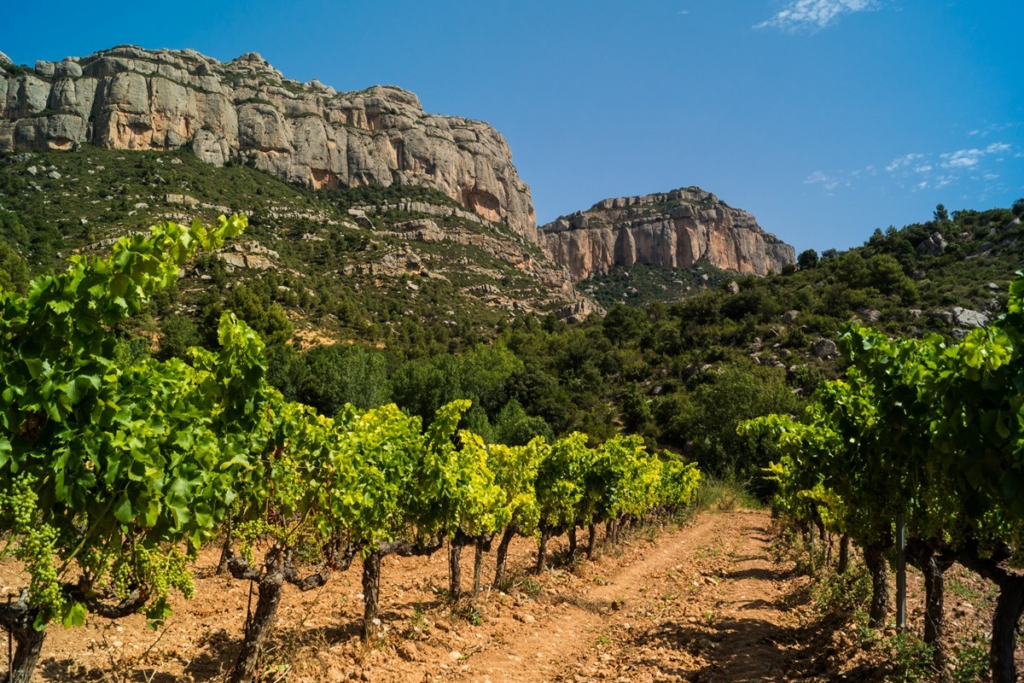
{"points": [[636, 411], [807, 259], [724, 494], [336, 375], [179, 335], [755, 301], [622, 324], [252, 303], [885, 274], [514, 427], [705, 420], [13, 273]]}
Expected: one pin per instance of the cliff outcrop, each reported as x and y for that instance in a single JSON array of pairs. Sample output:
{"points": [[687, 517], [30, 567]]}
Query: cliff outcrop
{"points": [[246, 111], [673, 229]]}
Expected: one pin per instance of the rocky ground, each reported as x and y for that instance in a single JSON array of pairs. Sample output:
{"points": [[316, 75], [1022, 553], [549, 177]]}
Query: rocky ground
{"points": [[713, 600]]}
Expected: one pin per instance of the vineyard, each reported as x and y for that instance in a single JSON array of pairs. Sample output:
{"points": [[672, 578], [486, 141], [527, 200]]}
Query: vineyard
{"points": [[115, 473], [120, 477]]}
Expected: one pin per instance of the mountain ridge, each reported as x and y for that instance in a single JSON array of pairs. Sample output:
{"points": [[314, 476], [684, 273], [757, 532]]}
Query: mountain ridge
{"points": [[674, 229], [246, 111]]}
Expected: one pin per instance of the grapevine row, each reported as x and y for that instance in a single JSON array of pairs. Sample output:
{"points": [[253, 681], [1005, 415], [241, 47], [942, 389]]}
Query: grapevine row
{"points": [[112, 478], [928, 432]]}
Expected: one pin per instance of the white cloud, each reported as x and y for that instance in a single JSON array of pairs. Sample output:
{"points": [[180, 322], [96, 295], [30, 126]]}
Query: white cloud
{"points": [[814, 15], [989, 128], [962, 158], [903, 161], [917, 171], [831, 182], [967, 158], [821, 178]]}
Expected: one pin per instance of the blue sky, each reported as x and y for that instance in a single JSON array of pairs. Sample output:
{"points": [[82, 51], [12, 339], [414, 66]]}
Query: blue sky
{"points": [[824, 118]]}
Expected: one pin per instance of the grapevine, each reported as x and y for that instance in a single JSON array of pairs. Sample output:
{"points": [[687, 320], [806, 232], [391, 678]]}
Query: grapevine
{"points": [[106, 470]]}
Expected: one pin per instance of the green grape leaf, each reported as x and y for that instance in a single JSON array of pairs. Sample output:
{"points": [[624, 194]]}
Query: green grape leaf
{"points": [[179, 508], [123, 511], [157, 613], [35, 366], [41, 620], [74, 615], [204, 517]]}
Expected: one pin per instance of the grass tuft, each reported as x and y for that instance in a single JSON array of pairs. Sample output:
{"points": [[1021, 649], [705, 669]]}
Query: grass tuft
{"points": [[725, 494]]}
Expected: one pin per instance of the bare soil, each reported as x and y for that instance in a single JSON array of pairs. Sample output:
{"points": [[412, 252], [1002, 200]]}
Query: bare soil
{"points": [[712, 600]]}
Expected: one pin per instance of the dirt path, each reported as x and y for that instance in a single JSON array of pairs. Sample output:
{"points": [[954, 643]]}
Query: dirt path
{"points": [[704, 602], [748, 615], [701, 603], [708, 602]]}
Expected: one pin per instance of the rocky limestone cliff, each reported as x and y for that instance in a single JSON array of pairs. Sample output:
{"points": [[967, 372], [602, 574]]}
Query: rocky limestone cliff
{"points": [[673, 230], [246, 111]]}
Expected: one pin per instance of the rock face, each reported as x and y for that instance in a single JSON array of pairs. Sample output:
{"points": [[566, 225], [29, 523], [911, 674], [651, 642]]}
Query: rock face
{"points": [[825, 349], [965, 317], [935, 245], [245, 111], [248, 255], [674, 229]]}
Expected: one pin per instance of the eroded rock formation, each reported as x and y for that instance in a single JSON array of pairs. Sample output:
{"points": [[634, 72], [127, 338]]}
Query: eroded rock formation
{"points": [[246, 111], [674, 229]]}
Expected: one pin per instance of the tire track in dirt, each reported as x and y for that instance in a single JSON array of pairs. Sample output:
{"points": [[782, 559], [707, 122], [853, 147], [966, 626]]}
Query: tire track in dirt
{"points": [[747, 617], [698, 605]]}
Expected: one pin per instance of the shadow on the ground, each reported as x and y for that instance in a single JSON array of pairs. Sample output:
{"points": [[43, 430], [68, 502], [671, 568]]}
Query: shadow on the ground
{"points": [[218, 653], [759, 574], [207, 666], [66, 669], [220, 650], [744, 650], [70, 669], [588, 604]]}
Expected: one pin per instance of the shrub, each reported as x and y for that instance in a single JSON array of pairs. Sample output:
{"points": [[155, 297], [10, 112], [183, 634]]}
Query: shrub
{"points": [[807, 259]]}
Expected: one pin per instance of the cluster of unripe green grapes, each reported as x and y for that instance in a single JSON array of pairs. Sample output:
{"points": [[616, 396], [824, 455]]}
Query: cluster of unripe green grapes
{"points": [[36, 550], [18, 506], [157, 569], [123, 577], [248, 533], [36, 544]]}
